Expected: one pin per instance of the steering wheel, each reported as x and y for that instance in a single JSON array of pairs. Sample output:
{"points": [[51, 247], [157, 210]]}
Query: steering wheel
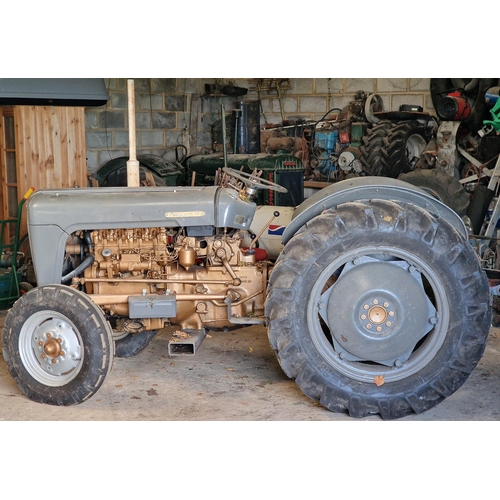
{"points": [[253, 182], [179, 158]]}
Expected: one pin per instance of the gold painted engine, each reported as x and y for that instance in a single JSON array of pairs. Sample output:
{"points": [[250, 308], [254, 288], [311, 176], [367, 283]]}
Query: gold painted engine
{"points": [[147, 278]]}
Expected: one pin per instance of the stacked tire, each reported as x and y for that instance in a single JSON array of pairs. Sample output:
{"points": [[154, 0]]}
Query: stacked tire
{"points": [[393, 148], [371, 152]]}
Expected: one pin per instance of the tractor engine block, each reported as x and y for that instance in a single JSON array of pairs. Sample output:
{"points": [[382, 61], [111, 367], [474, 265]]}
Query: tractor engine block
{"points": [[198, 282]]}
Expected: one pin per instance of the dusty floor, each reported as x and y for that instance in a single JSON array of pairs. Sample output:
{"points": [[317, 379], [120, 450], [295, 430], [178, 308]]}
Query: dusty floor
{"points": [[233, 377]]}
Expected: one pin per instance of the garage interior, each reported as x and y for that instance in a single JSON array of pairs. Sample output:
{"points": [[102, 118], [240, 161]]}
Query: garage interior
{"points": [[306, 134]]}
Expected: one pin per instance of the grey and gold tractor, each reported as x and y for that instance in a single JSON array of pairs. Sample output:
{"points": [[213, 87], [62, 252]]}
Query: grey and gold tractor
{"points": [[375, 302]]}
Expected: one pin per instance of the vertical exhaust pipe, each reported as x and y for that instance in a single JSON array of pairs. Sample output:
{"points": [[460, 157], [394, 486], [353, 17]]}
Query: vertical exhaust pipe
{"points": [[132, 163]]}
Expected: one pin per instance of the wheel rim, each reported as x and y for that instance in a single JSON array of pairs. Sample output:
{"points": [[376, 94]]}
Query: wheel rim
{"points": [[364, 324], [119, 335], [433, 193], [50, 348], [415, 146]]}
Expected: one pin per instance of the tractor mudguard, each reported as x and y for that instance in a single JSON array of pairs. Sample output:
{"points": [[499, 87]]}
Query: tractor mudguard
{"points": [[367, 188]]}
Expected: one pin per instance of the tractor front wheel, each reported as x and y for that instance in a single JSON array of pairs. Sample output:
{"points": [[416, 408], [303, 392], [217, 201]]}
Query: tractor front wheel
{"points": [[58, 345]]}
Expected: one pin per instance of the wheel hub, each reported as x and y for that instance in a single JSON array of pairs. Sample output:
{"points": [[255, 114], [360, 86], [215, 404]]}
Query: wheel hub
{"points": [[56, 347], [52, 347], [377, 311], [377, 315]]}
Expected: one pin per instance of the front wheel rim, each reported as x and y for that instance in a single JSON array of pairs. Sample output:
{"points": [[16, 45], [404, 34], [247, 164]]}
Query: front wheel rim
{"points": [[331, 332], [51, 348]]}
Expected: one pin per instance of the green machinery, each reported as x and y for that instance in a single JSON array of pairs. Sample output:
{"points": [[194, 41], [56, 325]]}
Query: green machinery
{"points": [[11, 286], [283, 168]]}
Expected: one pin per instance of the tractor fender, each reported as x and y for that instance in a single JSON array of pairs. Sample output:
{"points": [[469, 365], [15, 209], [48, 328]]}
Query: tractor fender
{"points": [[368, 188]]}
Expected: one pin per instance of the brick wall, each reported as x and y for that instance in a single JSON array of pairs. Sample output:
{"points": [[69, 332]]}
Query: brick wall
{"points": [[172, 111]]}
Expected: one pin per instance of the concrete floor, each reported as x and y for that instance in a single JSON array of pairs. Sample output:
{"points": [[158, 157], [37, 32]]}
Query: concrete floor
{"points": [[233, 377]]}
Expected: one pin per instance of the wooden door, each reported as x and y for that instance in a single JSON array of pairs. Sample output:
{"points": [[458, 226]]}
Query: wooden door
{"points": [[42, 147]]}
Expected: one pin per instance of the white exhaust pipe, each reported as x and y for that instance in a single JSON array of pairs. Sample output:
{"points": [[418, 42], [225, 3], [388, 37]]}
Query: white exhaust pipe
{"points": [[133, 179]]}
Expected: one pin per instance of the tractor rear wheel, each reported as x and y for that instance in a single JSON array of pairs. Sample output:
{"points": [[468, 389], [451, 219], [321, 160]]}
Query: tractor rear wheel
{"points": [[378, 307]]}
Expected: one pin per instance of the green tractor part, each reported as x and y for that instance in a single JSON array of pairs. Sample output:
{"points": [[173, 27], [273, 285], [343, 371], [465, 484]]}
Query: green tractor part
{"points": [[284, 169], [153, 170]]}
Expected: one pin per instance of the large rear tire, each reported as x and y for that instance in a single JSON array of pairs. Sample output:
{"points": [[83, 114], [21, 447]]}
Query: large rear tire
{"points": [[441, 186], [378, 308], [58, 345]]}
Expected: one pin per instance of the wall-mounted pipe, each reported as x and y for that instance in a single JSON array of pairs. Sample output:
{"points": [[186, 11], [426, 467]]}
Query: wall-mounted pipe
{"points": [[224, 145]]}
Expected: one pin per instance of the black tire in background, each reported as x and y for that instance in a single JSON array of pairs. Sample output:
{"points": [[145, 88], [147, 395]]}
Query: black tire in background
{"points": [[371, 151], [58, 345], [441, 186], [133, 343], [378, 307], [25, 287], [119, 177], [403, 146], [478, 207]]}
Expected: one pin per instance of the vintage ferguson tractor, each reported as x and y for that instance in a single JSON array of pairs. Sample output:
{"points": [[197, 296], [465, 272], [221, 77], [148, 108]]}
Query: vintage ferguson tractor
{"points": [[376, 303]]}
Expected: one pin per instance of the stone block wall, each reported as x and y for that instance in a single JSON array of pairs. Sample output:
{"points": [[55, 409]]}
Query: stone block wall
{"points": [[171, 111]]}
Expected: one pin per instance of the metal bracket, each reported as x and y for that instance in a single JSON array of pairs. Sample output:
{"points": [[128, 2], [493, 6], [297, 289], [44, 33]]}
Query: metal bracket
{"points": [[496, 211], [257, 320]]}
